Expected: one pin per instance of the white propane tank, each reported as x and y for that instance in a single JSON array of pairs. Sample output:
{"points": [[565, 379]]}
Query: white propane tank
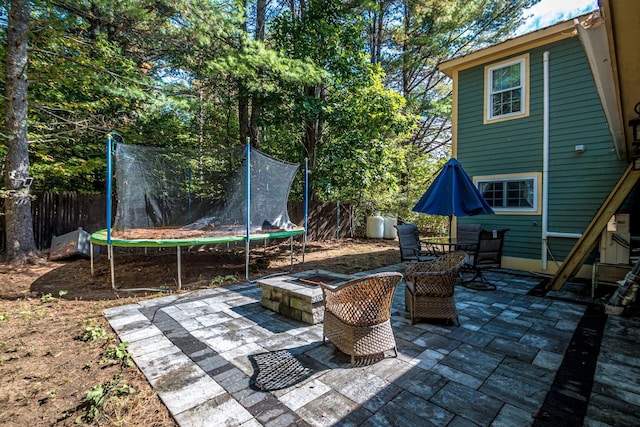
{"points": [[390, 231], [375, 226]]}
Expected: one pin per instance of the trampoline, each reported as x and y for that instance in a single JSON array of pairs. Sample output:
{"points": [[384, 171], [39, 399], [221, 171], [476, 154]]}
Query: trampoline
{"points": [[166, 199]]}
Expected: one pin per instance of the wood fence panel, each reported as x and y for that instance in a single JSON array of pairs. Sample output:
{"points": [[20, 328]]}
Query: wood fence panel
{"points": [[55, 214], [324, 218]]}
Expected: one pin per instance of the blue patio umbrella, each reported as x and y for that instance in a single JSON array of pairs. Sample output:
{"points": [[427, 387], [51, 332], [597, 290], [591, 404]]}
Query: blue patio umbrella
{"points": [[453, 193]]}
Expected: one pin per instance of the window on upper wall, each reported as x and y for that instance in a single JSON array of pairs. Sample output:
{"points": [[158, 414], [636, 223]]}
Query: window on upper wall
{"points": [[507, 90], [513, 194]]}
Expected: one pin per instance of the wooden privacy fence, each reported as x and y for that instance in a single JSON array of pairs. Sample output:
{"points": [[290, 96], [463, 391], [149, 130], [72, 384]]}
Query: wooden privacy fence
{"points": [[55, 214]]}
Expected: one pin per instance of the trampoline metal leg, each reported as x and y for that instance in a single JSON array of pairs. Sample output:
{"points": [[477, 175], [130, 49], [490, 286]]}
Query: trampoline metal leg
{"points": [[91, 256], [111, 263], [291, 254], [247, 248], [304, 244], [179, 267], [110, 254]]}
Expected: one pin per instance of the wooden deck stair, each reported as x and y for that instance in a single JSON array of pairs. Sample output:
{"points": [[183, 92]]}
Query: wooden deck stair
{"points": [[591, 235]]}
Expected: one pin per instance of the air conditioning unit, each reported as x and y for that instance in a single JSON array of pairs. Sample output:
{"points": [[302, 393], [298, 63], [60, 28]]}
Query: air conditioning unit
{"points": [[615, 240]]}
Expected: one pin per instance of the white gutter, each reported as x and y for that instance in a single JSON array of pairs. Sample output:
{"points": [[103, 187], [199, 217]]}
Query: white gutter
{"points": [[545, 158], [545, 168]]}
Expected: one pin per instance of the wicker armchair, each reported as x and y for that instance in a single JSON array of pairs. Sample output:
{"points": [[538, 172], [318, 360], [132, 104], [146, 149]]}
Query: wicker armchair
{"points": [[430, 285], [357, 315]]}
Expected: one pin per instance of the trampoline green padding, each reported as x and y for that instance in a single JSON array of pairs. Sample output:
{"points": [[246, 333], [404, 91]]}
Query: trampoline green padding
{"points": [[101, 238]]}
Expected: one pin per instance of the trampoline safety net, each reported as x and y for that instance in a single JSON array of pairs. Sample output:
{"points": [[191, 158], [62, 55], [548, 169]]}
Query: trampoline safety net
{"points": [[174, 194]]}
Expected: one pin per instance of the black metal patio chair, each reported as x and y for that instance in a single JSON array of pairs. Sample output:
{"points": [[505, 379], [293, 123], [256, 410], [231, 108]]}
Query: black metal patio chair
{"points": [[487, 255], [410, 245], [467, 232]]}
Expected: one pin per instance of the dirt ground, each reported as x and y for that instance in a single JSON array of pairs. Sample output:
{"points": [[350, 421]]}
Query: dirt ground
{"points": [[60, 362]]}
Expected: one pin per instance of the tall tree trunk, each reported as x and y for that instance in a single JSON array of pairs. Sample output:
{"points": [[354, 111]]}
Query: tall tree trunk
{"points": [[256, 102], [243, 96], [405, 50], [377, 32], [380, 31], [201, 132], [313, 133], [19, 225], [243, 112]]}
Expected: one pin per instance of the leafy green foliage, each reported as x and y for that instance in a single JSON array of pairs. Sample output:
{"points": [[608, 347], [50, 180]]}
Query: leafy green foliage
{"points": [[96, 398], [47, 298], [92, 333], [221, 280], [421, 34], [359, 97], [117, 355], [348, 125]]}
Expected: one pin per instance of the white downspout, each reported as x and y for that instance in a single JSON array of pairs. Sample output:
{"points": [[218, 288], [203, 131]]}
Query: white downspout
{"points": [[545, 169], [545, 158]]}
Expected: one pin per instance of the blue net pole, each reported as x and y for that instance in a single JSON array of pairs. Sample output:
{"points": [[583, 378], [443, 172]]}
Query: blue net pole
{"points": [[189, 199], [306, 206], [338, 219], [248, 204], [306, 195], [109, 178]]}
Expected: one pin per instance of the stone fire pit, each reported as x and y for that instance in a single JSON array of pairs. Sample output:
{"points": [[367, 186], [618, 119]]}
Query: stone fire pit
{"points": [[297, 295]]}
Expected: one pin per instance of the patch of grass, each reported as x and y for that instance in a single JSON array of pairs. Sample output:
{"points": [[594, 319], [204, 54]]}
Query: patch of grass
{"points": [[47, 298], [30, 315], [4, 316], [221, 280]]}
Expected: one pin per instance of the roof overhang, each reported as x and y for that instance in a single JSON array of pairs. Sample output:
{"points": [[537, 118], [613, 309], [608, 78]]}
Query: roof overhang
{"points": [[593, 35], [622, 22], [514, 46]]}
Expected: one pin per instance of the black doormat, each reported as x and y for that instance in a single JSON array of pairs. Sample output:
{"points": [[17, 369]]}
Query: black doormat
{"points": [[567, 402], [275, 370]]}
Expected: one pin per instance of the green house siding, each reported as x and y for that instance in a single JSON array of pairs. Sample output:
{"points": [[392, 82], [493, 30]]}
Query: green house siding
{"points": [[578, 182]]}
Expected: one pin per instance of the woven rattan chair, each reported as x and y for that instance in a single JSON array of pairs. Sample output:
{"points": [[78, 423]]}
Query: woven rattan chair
{"points": [[430, 285], [357, 315]]}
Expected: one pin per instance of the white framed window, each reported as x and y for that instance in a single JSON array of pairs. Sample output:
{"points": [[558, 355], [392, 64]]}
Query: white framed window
{"points": [[507, 90], [511, 193]]}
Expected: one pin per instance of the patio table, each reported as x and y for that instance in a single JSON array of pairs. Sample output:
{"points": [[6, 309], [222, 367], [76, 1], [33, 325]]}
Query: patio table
{"points": [[441, 245]]}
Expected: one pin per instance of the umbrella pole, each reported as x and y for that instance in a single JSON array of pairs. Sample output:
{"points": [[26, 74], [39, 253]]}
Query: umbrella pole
{"points": [[450, 219]]}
